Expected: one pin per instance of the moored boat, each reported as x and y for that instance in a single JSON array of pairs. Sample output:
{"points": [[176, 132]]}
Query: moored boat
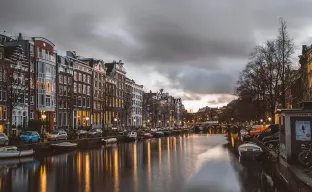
{"points": [[64, 146], [250, 150], [13, 152], [147, 135], [109, 141], [159, 134]]}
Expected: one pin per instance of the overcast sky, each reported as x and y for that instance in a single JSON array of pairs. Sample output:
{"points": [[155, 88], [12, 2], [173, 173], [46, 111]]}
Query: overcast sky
{"points": [[192, 49]]}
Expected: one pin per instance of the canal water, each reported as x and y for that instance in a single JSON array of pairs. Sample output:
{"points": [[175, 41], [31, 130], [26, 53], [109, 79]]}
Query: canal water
{"points": [[187, 163]]}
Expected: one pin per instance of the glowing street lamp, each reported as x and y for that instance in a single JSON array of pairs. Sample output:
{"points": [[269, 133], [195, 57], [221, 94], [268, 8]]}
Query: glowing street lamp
{"points": [[87, 118], [269, 119], [43, 117], [261, 120]]}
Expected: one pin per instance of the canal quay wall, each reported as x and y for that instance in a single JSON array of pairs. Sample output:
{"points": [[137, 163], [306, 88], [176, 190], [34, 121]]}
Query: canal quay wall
{"points": [[290, 175], [83, 143]]}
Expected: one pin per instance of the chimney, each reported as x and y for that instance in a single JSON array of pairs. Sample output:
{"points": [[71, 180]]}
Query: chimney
{"points": [[20, 37]]}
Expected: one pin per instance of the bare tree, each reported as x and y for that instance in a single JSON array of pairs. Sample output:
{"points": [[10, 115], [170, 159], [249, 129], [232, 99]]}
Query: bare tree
{"points": [[284, 51]]}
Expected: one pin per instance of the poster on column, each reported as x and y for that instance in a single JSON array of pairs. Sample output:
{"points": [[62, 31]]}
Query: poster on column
{"points": [[303, 131]]}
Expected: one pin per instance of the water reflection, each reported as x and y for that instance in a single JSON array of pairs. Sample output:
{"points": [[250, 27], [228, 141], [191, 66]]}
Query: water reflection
{"points": [[87, 173], [43, 178], [116, 171], [162, 164]]}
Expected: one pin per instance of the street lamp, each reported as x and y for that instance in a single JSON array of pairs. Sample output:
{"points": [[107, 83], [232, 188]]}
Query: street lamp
{"points": [[87, 118], [148, 120], [44, 117], [261, 120], [269, 119]]}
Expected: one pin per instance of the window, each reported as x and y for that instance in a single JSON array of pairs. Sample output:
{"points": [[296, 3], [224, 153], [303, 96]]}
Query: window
{"points": [[84, 89], [75, 75], [1, 55], [65, 119], [94, 104], [65, 80], [88, 102], [65, 91], [61, 90], [4, 113], [32, 50], [48, 100], [84, 102], [69, 81], [88, 90], [61, 79], [79, 88], [88, 78], [80, 77], [79, 101], [75, 87], [42, 99], [31, 115], [84, 78], [4, 77]]}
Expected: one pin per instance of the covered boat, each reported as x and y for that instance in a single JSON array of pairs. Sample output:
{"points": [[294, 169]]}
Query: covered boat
{"points": [[159, 134], [64, 146], [13, 152], [249, 150], [109, 141], [147, 135]]}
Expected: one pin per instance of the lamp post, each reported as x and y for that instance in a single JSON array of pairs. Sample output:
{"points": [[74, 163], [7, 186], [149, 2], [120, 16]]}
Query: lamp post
{"points": [[270, 119]]}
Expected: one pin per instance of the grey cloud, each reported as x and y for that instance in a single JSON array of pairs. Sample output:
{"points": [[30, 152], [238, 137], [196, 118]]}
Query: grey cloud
{"points": [[191, 96], [167, 34], [222, 99], [198, 80]]}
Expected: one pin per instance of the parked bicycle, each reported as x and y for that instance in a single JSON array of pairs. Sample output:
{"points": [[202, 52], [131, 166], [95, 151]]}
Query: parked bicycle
{"points": [[305, 156]]}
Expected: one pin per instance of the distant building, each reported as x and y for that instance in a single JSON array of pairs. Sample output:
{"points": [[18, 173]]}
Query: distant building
{"points": [[137, 101]]}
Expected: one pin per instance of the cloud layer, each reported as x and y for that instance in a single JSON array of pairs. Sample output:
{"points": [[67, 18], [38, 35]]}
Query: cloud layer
{"points": [[198, 46]]}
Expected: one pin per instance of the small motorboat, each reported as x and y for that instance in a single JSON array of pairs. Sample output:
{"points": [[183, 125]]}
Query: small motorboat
{"points": [[250, 150], [159, 134], [109, 141], [64, 147], [13, 152], [147, 135]]}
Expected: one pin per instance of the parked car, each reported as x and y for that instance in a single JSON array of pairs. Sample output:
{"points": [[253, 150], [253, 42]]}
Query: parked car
{"points": [[30, 136], [81, 133], [56, 135], [4, 140], [268, 131], [273, 137], [95, 132]]}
